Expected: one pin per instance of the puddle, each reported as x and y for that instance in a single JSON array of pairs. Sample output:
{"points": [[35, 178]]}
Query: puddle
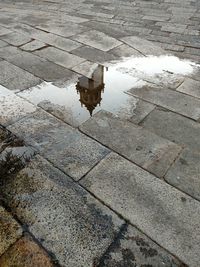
{"points": [[105, 89]]}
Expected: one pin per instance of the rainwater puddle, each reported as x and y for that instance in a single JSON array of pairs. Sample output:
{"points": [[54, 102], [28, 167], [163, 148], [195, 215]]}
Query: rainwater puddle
{"points": [[106, 86]]}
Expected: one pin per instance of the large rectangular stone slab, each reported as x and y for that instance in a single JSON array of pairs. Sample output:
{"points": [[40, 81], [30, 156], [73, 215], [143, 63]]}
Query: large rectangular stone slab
{"points": [[190, 87], [133, 142], [15, 78], [169, 99], [64, 217], [15, 38], [97, 40], [68, 149], [162, 212], [60, 57]]}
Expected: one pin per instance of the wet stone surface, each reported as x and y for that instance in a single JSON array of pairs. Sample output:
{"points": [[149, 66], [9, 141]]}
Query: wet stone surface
{"points": [[25, 253], [10, 231], [133, 248], [66, 219]]}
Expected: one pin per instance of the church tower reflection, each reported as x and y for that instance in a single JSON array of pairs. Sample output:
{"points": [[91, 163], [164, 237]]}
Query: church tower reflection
{"points": [[90, 89]]}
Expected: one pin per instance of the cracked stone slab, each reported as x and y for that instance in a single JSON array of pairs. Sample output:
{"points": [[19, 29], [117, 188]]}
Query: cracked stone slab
{"points": [[65, 218], [25, 252], [190, 87], [60, 57], [159, 210], [13, 108], [10, 230], [33, 45], [169, 99], [15, 38], [133, 248], [135, 143], [67, 148], [98, 40], [143, 46], [15, 78]]}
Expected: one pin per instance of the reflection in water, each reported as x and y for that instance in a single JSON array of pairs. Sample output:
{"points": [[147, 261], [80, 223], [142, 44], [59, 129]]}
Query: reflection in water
{"points": [[105, 89]]}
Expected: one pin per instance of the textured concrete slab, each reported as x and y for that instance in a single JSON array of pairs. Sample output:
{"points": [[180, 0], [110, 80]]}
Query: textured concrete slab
{"points": [[190, 87], [13, 108], [67, 220], [15, 38], [169, 99], [25, 252], [42, 68], [138, 145], [68, 149], [97, 40], [15, 78], [10, 230], [165, 214], [133, 248], [60, 57], [32, 46]]}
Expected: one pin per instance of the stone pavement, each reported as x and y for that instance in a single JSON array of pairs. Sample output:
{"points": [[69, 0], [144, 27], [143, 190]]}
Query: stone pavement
{"points": [[120, 188]]}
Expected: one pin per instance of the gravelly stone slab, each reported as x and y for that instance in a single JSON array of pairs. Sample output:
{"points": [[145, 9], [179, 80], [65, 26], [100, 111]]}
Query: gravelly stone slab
{"points": [[15, 38], [63, 216], [42, 68], [32, 46], [162, 212], [138, 145], [172, 100], [60, 57], [143, 46], [190, 87], [10, 230], [97, 40], [25, 252], [15, 78], [133, 248], [64, 146], [13, 108]]}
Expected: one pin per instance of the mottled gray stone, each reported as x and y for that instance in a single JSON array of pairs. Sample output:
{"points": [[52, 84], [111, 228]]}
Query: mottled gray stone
{"points": [[42, 68], [173, 127], [97, 40], [10, 230], [143, 46], [60, 57], [32, 46], [68, 149], [190, 87], [125, 51], [94, 55], [4, 31], [15, 78], [16, 39], [9, 51], [86, 68], [159, 210], [13, 108], [138, 145], [172, 100], [3, 44], [133, 248], [67, 220]]}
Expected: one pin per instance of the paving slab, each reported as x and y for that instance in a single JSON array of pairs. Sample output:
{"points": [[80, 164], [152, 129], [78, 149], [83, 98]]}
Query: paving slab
{"points": [[15, 38], [133, 248], [68, 149], [40, 67], [169, 99], [33, 45], [143, 46], [3, 44], [60, 57], [10, 230], [67, 220], [15, 78], [9, 51], [125, 51], [190, 87], [159, 210], [138, 145], [97, 39], [25, 253], [4, 31]]}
